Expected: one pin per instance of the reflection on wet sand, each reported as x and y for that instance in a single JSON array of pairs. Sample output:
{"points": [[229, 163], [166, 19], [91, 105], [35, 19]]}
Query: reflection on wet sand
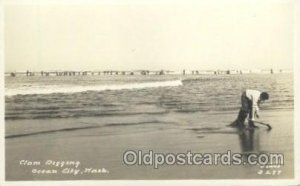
{"points": [[249, 140]]}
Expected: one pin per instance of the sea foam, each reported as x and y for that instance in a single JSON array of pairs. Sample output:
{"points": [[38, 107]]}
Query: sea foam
{"points": [[49, 89]]}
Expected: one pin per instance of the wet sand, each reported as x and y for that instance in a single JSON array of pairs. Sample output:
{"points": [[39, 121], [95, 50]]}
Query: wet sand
{"points": [[100, 142]]}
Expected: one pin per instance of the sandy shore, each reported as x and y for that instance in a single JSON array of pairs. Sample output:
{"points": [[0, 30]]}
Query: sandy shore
{"points": [[101, 142]]}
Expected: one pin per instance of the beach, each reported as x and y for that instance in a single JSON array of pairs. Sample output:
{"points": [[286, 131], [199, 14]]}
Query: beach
{"points": [[164, 119], [171, 92]]}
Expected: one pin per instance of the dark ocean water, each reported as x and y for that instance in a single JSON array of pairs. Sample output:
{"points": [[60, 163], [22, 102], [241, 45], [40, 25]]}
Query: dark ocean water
{"points": [[95, 119], [95, 96]]}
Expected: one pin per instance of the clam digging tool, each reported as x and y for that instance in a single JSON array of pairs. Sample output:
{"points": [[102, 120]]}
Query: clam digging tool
{"points": [[266, 124]]}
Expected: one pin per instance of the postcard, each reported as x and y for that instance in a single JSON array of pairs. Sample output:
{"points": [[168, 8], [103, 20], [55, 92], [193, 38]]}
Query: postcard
{"points": [[129, 92]]}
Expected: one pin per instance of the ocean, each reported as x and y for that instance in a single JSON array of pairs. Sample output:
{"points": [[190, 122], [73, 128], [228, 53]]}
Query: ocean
{"points": [[95, 119], [82, 96]]}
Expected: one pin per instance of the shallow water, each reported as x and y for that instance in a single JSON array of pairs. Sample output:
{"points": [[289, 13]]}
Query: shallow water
{"points": [[84, 96], [97, 127]]}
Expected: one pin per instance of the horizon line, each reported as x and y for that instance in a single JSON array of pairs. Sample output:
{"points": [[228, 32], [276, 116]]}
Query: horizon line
{"points": [[156, 70]]}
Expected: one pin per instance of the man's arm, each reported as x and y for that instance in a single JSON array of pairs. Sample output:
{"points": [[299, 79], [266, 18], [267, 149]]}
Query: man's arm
{"points": [[255, 109], [257, 112]]}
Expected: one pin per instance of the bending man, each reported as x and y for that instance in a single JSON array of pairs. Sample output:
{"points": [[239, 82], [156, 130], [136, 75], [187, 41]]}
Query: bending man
{"points": [[251, 99]]}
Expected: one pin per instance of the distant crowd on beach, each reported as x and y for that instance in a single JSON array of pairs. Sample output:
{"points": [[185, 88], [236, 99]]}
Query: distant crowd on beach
{"points": [[143, 72]]}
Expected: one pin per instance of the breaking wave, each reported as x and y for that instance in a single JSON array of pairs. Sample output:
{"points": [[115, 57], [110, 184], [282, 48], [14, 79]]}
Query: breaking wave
{"points": [[74, 89]]}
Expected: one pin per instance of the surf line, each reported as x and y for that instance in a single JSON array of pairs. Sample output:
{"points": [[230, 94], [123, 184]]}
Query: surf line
{"points": [[75, 89]]}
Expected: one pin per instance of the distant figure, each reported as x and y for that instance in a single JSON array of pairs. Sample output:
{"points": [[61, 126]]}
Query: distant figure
{"points": [[251, 99], [161, 72]]}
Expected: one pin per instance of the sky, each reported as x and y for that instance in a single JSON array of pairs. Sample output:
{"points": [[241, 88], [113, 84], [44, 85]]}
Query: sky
{"points": [[154, 35]]}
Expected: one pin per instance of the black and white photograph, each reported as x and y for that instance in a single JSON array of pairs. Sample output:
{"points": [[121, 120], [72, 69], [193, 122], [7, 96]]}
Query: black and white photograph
{"points": [[150, 90]]}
